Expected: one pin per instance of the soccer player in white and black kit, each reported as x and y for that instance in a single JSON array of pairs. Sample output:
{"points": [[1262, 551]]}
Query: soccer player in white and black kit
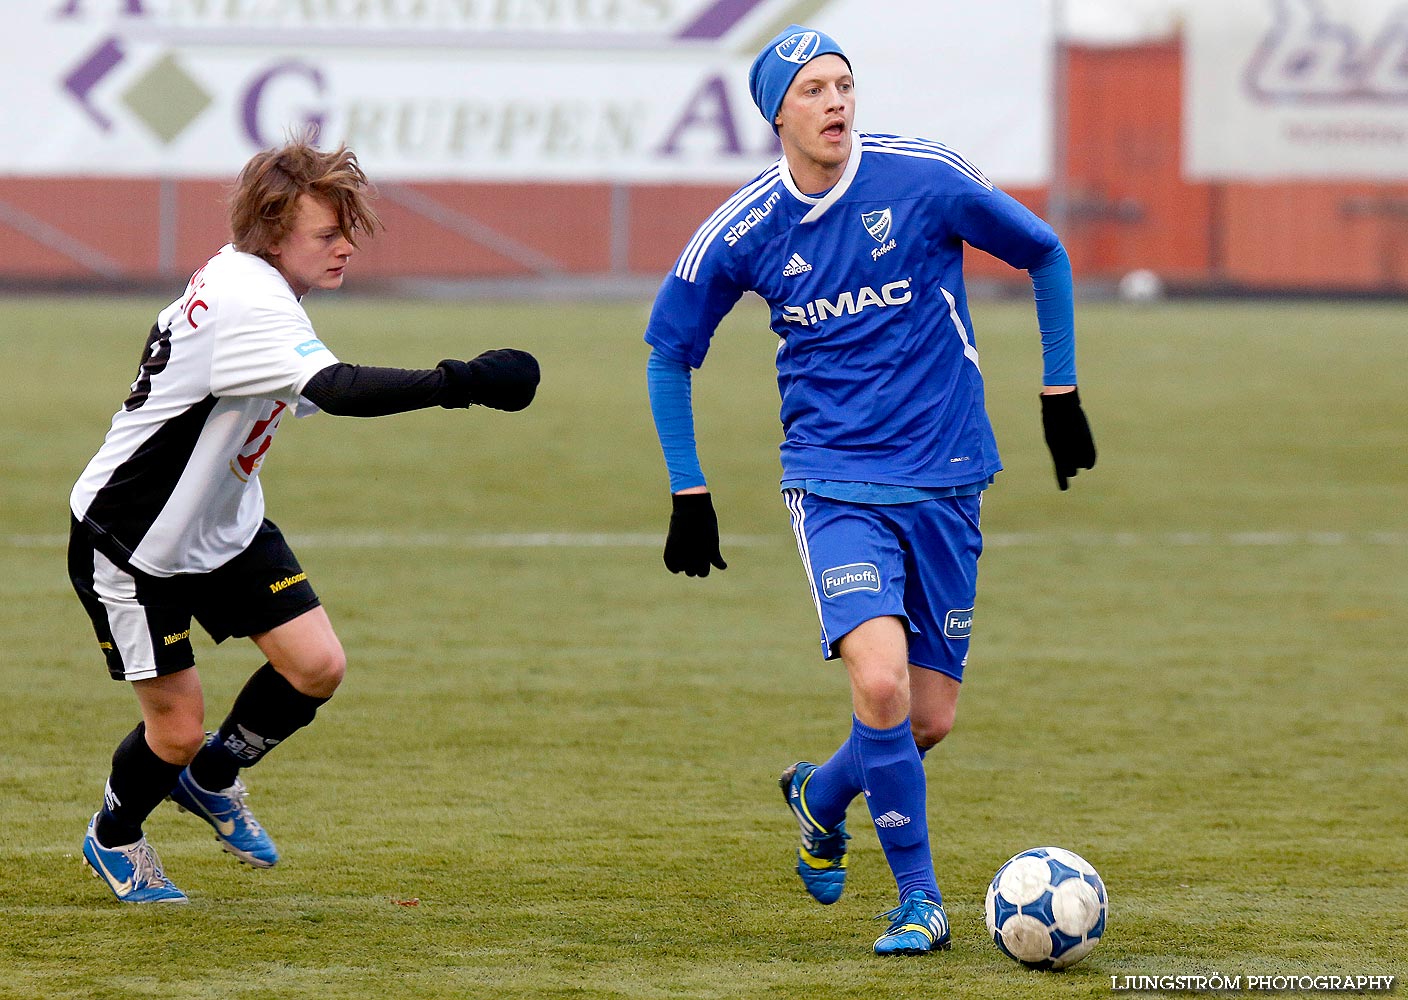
{"points": [[168, 517], [856, 241]]}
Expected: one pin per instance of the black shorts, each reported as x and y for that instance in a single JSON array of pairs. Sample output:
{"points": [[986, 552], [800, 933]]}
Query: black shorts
{"points": [[143, 622]]}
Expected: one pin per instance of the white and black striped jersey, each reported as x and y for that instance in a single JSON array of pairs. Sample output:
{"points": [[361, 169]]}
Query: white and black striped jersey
{"points": [[175, 486]]}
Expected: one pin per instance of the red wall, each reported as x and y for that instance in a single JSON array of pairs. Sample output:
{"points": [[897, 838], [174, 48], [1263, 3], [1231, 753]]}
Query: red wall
{"points": [[1131, 207]]}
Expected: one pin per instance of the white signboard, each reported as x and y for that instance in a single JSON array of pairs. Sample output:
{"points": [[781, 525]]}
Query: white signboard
{"points": [[1283, 89], [637, 90]]}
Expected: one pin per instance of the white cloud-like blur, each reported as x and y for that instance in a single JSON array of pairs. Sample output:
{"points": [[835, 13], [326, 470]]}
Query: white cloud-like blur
{"points": [[1118, 21]]}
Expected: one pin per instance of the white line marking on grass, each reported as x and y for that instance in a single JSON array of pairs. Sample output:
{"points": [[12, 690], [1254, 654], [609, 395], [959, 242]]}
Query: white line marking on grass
{"points": [[650, 539], [499, 540], [36, 541], [1189, 539]]}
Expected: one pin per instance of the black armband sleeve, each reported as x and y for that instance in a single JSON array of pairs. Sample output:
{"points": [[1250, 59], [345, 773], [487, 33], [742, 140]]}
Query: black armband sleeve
{"points": [[362, 391]]}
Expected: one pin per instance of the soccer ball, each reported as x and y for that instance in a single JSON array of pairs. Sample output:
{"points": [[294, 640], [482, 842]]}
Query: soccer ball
{"points": [[1141, 286], [1046, 908]]}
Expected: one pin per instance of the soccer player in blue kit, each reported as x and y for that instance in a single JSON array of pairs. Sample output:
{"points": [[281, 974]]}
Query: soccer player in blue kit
{"points": [[855, 241]]}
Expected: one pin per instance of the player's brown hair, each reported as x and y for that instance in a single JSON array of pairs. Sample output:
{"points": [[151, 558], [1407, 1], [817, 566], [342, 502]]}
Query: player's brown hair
{"points": [[264, 200]]}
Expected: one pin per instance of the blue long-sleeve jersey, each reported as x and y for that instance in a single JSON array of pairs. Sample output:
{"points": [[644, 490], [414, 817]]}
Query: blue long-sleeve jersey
{"points": [[877, 365]]}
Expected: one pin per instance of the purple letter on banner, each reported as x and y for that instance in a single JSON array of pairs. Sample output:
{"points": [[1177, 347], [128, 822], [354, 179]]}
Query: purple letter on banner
{"points": [[715, 20], [70, 9], [255, 94], [708, 106]]}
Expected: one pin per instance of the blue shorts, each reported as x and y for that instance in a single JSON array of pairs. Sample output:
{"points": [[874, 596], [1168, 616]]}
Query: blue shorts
{"points": [[916, 561]]}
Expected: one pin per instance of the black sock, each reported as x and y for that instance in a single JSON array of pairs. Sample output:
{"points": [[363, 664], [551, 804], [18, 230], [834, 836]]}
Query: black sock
{"points": [[138, 782], [268, 711]]}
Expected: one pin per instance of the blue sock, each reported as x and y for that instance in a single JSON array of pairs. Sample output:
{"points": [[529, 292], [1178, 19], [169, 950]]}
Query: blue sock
{"points": [[832, 786], [895, 792]]}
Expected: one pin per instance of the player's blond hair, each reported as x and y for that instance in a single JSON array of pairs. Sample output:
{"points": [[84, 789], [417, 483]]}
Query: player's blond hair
{"points": [[263, 203]]}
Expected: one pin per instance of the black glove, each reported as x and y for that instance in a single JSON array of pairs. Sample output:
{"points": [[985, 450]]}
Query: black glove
{"points": [[693, 542], [503, 380], [1067, 434]]}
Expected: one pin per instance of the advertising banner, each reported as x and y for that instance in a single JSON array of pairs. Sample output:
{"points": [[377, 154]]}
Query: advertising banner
{"points": [[500, 90], [1296, 89]]}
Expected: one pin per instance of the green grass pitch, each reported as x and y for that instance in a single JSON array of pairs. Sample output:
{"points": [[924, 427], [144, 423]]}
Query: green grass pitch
{"points": [[1188, 669]]}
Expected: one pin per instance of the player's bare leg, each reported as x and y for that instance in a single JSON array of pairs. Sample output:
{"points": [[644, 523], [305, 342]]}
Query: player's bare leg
{"points": [[876, 654], [144, 768], [933, 706], [173, 710], [307, 652], [306, 664]]}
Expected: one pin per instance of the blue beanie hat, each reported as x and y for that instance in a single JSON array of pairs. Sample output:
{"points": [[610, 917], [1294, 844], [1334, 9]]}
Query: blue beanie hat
{"points": [[775, 67]]}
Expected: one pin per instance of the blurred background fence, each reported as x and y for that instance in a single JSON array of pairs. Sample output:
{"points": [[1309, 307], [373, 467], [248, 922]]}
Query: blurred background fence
{"points": [[1127, 163]]}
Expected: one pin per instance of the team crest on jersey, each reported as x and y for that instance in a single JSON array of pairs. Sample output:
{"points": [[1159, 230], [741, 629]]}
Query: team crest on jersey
{"points": [[878, 224], [799, 48]]}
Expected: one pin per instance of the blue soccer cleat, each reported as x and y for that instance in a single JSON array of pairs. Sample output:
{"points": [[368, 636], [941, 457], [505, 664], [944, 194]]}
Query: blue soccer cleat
{"points": [[235, 827], [917, 926], [133, 872], [821, 859]]}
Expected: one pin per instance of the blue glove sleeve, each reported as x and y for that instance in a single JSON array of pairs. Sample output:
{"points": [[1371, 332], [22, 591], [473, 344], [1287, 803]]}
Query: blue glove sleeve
{"points": [[668, 383], [1055, 316]]}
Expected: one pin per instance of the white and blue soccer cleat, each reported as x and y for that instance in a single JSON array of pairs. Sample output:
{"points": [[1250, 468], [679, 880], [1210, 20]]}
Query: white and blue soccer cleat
{"points": [[821, 858], [133, 872], [235, 827], [917, 926]]}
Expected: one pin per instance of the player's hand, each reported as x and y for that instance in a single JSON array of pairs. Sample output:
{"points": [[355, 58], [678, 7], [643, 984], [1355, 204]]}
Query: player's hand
{"points": [[692, 545], [1067, 434], [505, 379]]}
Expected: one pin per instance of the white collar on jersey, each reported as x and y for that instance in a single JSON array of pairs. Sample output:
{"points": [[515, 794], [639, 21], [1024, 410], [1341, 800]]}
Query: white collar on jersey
{"points": [[820, 205]]}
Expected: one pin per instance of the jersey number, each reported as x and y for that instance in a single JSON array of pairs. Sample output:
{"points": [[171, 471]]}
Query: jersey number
{"points": [[249, 460], [155, 355]]}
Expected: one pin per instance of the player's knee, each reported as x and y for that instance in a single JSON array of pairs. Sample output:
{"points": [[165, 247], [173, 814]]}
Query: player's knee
{"points": [[326, 670], [929, 732], [174, 740], [933, 724], [882, 697], [317, 672]]}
